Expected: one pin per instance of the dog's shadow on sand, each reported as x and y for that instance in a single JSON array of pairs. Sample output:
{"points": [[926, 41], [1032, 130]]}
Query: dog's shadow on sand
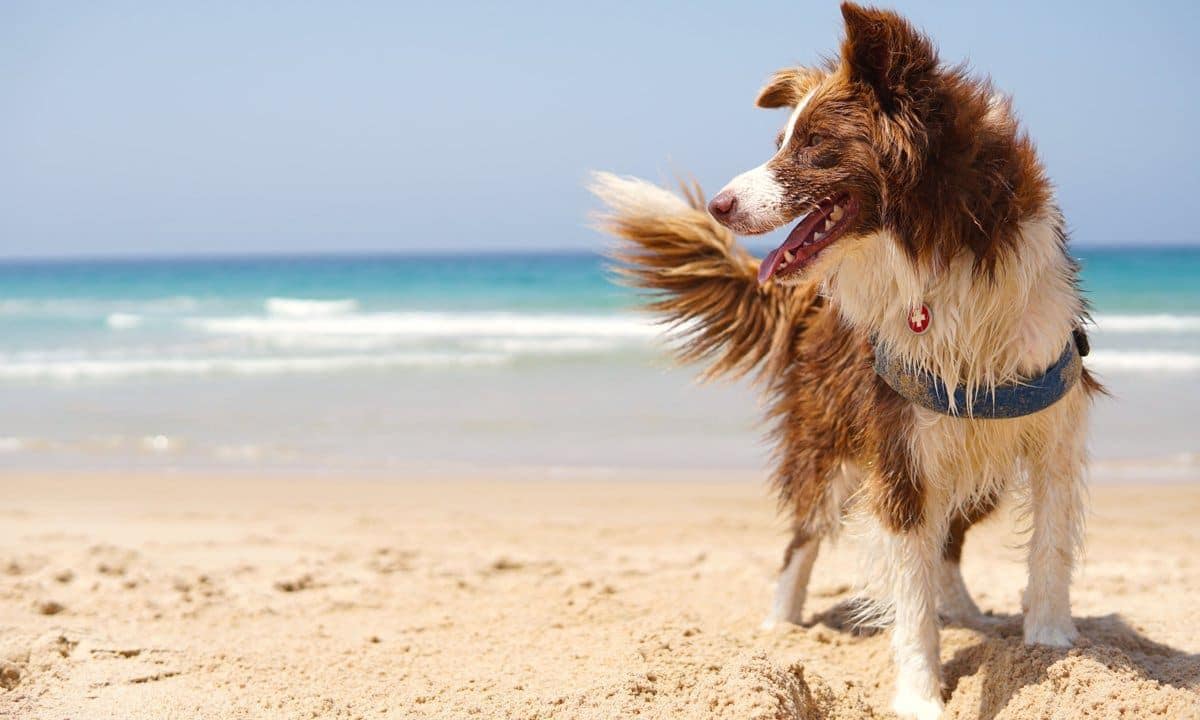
{"points": [[1005, 664], [849, 616]]}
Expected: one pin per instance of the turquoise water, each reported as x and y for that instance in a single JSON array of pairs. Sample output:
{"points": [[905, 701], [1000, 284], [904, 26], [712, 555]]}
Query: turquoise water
{"points": [[392, 360], [128, 318], [1118, 280], [1154, 280]]}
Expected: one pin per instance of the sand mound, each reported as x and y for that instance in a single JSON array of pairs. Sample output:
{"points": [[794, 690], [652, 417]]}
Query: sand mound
{"points": [[1112, 672], [748, 687], [683, 674]]}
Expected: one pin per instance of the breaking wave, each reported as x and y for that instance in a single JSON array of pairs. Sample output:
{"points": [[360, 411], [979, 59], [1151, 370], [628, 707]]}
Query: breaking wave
{"points": [[53, 369], [1155, 323], [123, 321], [1137, 361], [436, 325], [305, 308]]}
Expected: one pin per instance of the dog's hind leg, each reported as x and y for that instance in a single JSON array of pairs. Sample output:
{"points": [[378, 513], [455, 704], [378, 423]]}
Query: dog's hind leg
{"points": [[817, 488], [955, 604], [792, 587]]}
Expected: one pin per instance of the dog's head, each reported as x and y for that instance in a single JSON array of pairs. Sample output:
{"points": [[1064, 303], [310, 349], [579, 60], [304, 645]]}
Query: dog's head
{"points": [[857, 138]]}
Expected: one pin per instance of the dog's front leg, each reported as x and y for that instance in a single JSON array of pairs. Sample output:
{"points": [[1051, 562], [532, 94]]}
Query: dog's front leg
{"points": [[913, 556], [1057, 500]]}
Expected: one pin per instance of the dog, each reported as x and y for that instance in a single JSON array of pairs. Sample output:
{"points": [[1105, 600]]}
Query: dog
{"points": [[917, 334]]}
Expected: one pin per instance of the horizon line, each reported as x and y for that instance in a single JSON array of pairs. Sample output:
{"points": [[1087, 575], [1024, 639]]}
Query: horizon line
{"points": [[428, 253]]}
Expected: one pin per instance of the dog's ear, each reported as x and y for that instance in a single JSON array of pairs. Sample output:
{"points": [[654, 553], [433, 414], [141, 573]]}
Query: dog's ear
{"points": [[887, 53], [787, 87]]}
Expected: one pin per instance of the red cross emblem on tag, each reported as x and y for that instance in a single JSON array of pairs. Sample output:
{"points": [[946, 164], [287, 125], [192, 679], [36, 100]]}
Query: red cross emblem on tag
{"points": [[919, 319]]}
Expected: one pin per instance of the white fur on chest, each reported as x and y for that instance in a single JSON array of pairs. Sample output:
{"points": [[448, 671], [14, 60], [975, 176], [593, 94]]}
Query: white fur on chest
{"points": [[982, 332], [963, 461]]}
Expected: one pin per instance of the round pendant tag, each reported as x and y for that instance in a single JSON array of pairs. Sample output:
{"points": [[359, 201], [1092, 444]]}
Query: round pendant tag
{"points": [[919, 319]]}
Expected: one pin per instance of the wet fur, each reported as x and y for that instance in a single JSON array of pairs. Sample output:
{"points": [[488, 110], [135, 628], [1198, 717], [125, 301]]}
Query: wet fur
{"points": [[825, 404], [956, 212]]}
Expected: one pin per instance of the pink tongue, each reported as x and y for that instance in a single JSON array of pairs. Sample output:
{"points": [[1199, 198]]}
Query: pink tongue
{"points": [[768, 266]]}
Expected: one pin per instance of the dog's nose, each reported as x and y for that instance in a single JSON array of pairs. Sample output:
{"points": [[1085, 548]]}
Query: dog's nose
{"points": [[723, 205]]}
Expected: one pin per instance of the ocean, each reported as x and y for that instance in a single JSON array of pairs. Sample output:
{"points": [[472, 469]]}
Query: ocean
{"points": [[385, 364]]}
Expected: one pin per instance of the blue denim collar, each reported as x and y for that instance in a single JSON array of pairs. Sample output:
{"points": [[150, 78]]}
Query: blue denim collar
{"points": [[1011, 400]]}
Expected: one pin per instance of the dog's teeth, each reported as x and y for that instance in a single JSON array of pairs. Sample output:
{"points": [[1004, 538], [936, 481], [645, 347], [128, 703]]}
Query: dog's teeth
{"points": [[836, 214], [787, 254], [819, 236], [828, 223]]}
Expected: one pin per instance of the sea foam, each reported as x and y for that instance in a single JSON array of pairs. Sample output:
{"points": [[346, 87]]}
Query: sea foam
{"points": [[1143, 362], [307, 308], [90, 307], [436, 325], [123, 321], [1160, 323], [61, 369]]}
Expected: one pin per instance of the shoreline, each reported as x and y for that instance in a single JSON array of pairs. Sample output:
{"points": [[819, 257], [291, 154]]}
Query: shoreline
{"points": [[1173, 469]]}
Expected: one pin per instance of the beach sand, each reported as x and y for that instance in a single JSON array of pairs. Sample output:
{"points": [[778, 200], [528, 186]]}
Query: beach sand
{"points": [[532, 595]]}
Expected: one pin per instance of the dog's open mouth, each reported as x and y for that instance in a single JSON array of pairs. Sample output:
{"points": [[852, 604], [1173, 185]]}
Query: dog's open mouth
{"points": [[817, 231]]}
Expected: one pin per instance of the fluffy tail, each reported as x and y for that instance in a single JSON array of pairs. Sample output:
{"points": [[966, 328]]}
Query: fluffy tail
{"points": [[700, 281]]}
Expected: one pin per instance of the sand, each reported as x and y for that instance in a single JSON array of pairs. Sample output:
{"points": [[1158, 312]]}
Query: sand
{"points": [[534, 595]]}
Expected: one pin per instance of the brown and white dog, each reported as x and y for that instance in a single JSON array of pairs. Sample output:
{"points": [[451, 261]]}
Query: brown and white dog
{"points": [[928, 226]]}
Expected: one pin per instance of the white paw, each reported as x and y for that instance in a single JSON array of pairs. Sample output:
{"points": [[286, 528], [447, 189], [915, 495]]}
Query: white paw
{"points": [[775, 621], [1058, 634], [787, 610], [960, 614], [912, 706], [975, 621]]}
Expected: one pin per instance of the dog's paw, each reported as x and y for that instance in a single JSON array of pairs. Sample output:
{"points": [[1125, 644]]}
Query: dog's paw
{"points": [[787, 609], [953, 611], [913, 706], [1060, 634], [977, 620], [775, 621]]}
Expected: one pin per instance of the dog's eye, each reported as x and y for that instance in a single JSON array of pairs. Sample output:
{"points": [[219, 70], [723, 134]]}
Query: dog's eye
{"points": [[815, 140]]}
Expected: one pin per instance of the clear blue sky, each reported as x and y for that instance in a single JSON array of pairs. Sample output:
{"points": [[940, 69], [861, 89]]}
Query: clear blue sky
{"points": [[166, 128]]}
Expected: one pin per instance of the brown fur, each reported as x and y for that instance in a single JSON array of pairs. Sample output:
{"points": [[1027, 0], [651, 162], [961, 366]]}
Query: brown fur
{"points": [[699, 274], [962, 522], [930, 155], [786, 87], [954, 177], [825, 402], [800, 538], [917, 143], [891, 157]]}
